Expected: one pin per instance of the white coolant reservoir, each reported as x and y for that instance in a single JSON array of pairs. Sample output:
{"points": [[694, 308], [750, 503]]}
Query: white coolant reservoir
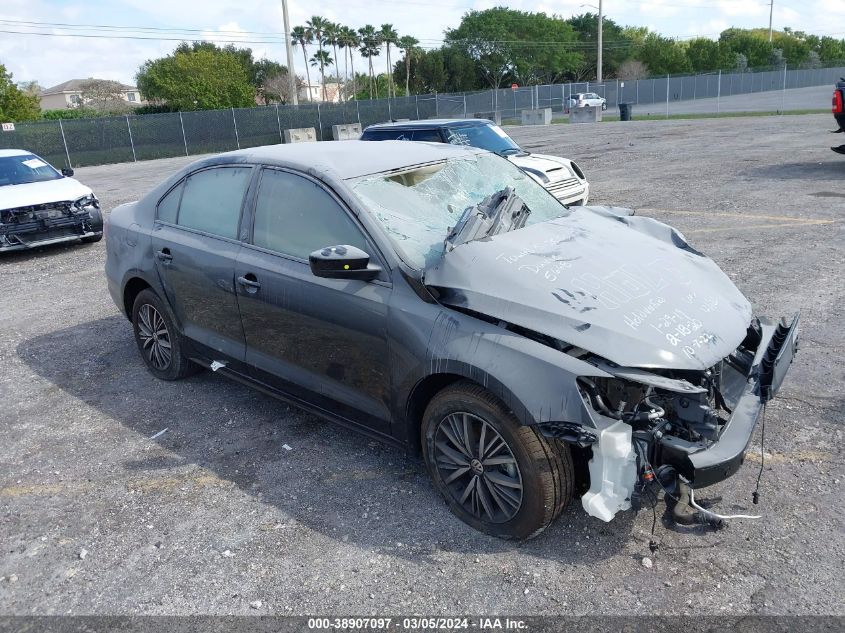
{"points": [[613, 472]]}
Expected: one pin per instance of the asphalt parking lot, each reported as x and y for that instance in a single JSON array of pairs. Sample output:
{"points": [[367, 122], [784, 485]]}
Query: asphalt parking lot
{"points": [[215, 514]]}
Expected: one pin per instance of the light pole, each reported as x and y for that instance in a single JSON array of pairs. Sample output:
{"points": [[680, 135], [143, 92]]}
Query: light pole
{"points": [[289, 50], [771, 10], [600, 33]]}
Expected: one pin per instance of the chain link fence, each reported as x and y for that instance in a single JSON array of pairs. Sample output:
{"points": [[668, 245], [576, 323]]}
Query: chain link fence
{"points": [[98, 141]]}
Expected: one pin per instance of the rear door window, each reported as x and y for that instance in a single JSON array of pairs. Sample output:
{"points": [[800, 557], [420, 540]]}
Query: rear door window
{"points": [[212, 200], [430, 136], [387, 135]]}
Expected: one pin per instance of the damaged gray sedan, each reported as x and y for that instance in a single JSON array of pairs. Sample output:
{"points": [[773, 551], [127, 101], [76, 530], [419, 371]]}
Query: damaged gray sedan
{"points": [[438, 298]]}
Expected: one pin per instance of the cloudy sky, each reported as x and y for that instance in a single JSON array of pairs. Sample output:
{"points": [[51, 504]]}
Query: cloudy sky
{"points": [[155, 26]]}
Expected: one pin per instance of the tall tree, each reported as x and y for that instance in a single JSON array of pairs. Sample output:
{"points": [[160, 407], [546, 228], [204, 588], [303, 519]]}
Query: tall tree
{"points": [[303, 37], [388, 36], [370, 47], [317, 25], [201, 79], [349, 38], [756, 49], [509, 43], [616, 47], [332, 37], [15, 105], [104, 95], [263, 71], [408, 44], [706, 55], [321, 59], [663, 55]]}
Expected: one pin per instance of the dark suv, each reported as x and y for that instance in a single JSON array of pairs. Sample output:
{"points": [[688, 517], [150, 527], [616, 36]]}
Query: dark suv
{"points": [[561, 177], [438, 298]]}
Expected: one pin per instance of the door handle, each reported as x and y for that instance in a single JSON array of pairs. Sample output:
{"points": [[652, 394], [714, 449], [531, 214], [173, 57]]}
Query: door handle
{"points": [[249, 282], [164, 255]]}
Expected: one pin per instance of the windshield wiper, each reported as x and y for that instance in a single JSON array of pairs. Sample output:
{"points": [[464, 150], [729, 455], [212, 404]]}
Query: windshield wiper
{"points": [[510, 150], [499, 212]]}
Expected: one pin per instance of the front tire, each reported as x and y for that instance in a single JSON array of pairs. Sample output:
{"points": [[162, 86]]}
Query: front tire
{"points": [[158, 340], [496, 475], [95, 225]]}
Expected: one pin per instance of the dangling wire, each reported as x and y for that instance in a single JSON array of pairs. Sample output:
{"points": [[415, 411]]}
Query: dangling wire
{"points": [[755, 496]]}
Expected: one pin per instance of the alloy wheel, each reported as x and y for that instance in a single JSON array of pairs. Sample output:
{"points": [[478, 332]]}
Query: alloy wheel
{"points": [[155, 338], [478, 467]]}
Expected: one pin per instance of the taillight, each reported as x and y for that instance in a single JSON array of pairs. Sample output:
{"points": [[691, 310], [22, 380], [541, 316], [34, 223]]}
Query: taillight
{"points": [[837, 102]]}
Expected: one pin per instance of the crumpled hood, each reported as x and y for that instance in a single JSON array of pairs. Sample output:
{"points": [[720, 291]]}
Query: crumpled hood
{"points": [[626, 288], [59, 190], [554, 168]]}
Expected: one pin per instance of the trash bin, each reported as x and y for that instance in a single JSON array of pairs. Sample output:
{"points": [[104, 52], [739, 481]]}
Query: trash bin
{"points": [[625, 111]]}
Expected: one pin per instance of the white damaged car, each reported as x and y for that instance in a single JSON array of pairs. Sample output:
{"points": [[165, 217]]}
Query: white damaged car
{"points": [[40, 205]]}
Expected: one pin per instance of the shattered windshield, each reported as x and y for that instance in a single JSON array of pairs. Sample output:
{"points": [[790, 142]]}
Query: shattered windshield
{"points": [[25, 168], [418, 207]]}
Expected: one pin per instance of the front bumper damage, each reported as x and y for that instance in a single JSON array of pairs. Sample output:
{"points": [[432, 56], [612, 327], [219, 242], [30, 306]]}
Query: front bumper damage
{"points": [[705, 466], [42, 225], [682, 437]]}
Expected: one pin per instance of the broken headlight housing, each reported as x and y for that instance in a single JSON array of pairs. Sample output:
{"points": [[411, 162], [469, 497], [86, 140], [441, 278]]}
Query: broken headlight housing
{"points": [[84, 202]]}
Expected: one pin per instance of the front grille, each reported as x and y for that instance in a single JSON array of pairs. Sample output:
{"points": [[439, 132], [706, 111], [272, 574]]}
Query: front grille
{"points": [[33, 239], [562, 186], [45, 224]]}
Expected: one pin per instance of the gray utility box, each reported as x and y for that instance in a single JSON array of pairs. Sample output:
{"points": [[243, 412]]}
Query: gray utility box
{"points": [[496, 117], [301, 135], [346, 132], [585, 114], [541, 116]]}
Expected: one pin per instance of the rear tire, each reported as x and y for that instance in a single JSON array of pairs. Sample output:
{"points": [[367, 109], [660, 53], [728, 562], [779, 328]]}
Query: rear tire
{"points": [[159, 342], [90, 239], [514, 487]]}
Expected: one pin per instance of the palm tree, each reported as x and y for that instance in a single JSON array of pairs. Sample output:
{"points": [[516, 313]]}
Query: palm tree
{"points": [[331, 33], [370, 47], [408, 43], [303, 37], [317, 25], [322, 59], [349, 38], [388, 36]]}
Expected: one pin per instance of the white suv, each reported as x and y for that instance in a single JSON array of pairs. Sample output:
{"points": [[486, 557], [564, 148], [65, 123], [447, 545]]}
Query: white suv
{"points": [[580, 99]]}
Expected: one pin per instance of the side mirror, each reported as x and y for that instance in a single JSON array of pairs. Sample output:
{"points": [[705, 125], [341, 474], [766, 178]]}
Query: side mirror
{"points": [[67, 172], [342, 262]]}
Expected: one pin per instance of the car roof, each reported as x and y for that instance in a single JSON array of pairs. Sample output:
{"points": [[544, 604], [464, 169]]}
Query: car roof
{"points": [[349, 159], [13, 152], [427, 124]]}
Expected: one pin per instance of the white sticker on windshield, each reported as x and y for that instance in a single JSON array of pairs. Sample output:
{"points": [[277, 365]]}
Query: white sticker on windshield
{"points": [[34, 163], [499, 131]]}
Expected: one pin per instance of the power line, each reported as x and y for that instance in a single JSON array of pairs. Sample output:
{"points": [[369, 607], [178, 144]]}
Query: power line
{"points": [[576, 45]]}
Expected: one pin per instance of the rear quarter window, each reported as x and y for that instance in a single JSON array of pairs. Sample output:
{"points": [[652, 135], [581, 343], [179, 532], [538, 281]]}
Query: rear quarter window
{"points": [[386, 135], [168, 206]]}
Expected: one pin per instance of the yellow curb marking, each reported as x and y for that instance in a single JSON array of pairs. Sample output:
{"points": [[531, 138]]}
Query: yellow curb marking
{"points": [[782, 225], [728, 214]]}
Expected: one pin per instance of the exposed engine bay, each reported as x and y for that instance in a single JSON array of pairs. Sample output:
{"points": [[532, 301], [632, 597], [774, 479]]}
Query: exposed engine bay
{"points": [[657, 428], [36, 225]]}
